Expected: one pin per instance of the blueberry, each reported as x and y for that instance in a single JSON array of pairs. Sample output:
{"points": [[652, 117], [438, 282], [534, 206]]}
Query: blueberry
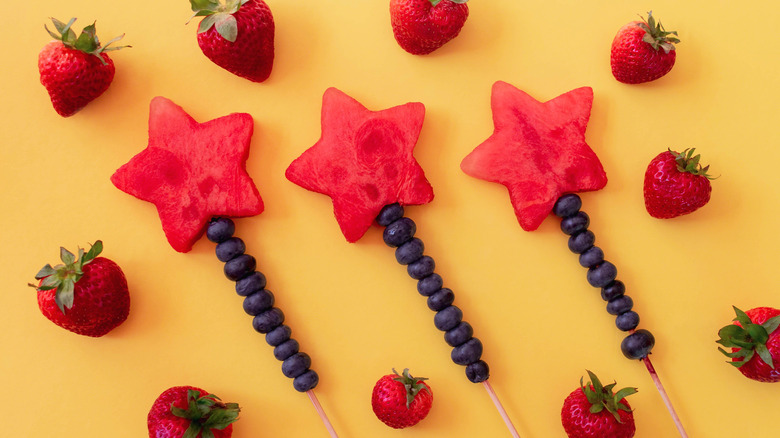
{"points": [[268, 320], [258, 302], [567, 205], [240, 267], [581, 242], [389, 214], [478, 371], [279, 335], [250, 283], [574, 224], [306, 381], [627, 321], [230, 249], [296, 365], [421, 268], [591, 257], [602, 274], [613, 290], [447, 318], [286, 349], [409, 252], [467, 352], [429, 285], [441, 299], [220, 229], [399, 232], [621, 304], [460, 334], [637, 345]]}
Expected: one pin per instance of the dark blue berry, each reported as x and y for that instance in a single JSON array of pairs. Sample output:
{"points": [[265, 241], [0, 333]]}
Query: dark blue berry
{"points": [[286, 349], [389, 214], [447, 318], [268, 320], [602, 274], [637, 345], [429, 285], [409, 252], [574, 224], [422, 268], [240, 267], [279, 335], [296, 365], [621, 304], [567, 205], [399, 232], [258, 302], [441, 299], [467, 352], [591, 257], [220, 229], [582, 241], [306, 381], [477, 371], [613, 290], [460, 334], [250, 283], [230, 249], [627, 321]]}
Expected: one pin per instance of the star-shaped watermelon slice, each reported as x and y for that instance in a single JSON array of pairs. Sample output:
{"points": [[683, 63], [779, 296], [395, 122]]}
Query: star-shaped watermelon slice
{"points": [[192, 171], [537, 150], [363, 161]]}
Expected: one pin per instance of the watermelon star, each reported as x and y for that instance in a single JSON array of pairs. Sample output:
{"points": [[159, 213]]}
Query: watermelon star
{"points": [[192, 171], [363, 161], [537, 150]]}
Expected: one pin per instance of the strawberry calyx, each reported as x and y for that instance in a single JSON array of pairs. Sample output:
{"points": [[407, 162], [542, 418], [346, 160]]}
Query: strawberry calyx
{"points": [[86, 42], [602, 397], [689, 163], [205, 413], [219, 14], [748, 337], [436, 2], [656, 35], [413, 385], [63, 277]]}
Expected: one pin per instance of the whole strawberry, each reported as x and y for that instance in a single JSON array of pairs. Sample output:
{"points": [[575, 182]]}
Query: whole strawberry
{"points": [[75, 70], [594, 411], [86, 294], [190, 412], [422, 26], [237, 35], [401, 401], [676, 184], [755, 343], [643, 51]]}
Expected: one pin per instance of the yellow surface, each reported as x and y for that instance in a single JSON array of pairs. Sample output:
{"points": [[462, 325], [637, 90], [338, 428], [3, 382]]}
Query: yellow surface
{"points": [[352, 308]]}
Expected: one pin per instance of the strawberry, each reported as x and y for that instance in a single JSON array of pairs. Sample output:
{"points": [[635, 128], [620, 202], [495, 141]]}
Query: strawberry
{"points": [[190, 412], [754, 331], [86, 294], [676, 184], [422, 26], [643, 51], [401, 401], [237, 35], [75, 71], [594, 411]]}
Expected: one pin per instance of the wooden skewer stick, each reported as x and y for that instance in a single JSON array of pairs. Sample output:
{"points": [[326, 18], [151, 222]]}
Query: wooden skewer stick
{"points": [[664, 396], [501, 409], [321, 412]]}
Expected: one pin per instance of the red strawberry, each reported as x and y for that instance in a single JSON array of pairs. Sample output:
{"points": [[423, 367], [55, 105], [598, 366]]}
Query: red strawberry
{"points": [[401, 401], [676, 184], [75, 71], [594, 411], [642, 51], [190, 412], [86, 294], [754, 331], [422, 26], [237, 35]]}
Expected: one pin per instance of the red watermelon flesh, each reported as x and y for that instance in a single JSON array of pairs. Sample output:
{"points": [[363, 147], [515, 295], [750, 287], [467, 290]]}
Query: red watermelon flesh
{"points": [[537, 150], [363, 161], [192, 171]]}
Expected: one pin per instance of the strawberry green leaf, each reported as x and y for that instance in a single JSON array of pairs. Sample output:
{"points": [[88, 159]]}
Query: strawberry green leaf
{"points": [[66, 256], [625, 392], [227, 27], [207, 433], [64, 296], [771, 324], [207, 23], [93, 252], [45, 272], [87, 42], [765, 355], [193, 431]]}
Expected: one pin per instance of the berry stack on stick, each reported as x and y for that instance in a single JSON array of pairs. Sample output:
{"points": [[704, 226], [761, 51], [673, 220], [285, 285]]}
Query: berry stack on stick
{"points": [[543, 165], [194, 173]]}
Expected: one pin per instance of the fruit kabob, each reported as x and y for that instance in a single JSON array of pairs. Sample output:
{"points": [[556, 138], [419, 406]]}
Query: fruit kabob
{"points": [[538, 151], [194, 173], [364, 162]]}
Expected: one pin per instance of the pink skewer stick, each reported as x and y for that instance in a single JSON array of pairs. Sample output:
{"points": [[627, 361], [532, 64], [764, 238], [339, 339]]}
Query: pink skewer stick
{"points": [[500, 408], [664, 396], [321, 412]]}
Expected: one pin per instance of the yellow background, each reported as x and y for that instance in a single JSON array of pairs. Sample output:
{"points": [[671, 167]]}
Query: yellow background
{"points": [[352, 308]]}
